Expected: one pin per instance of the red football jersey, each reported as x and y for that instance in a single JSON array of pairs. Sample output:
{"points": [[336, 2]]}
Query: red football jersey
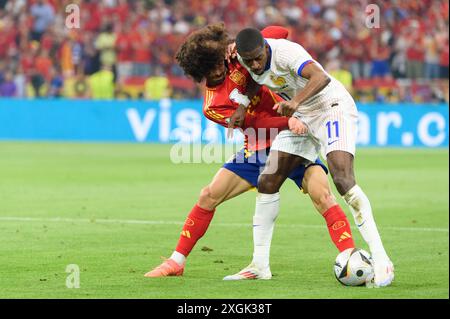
{"points": [[218, 107]]}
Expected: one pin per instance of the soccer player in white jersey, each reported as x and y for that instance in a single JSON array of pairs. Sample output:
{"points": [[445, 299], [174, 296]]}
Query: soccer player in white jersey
{"points": [[330, 114]]}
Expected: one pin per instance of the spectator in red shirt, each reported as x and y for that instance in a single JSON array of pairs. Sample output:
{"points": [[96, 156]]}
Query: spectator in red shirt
{"points": [[353, 52], [415, 54], [124, 47], [141, 41], [92, 18], [380, 64], [8, 35], [43, 64]]}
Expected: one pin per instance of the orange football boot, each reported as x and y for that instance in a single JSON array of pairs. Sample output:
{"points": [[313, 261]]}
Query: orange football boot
{"points": [[168, 268]]}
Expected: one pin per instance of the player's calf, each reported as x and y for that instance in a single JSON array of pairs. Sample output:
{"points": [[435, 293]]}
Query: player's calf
{"points": [[343, 182], [207, 199]]}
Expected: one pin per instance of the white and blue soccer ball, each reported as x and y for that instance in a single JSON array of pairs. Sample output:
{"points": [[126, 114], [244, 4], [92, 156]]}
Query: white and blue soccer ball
{"points": [[353, 267]]}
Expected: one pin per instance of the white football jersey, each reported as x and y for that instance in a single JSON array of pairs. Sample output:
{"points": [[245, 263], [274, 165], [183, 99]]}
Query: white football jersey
{"points": [[283, 75]]}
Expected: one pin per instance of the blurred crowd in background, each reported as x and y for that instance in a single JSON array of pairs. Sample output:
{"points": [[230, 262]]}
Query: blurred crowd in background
{"points": [[125, 49]]}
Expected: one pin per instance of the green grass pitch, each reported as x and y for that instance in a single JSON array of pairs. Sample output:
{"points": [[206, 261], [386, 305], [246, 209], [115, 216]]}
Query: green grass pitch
{"points": [[114, 209]]}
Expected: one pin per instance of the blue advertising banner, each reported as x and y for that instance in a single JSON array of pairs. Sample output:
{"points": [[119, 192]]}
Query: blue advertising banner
{"points": [[166, 121]]}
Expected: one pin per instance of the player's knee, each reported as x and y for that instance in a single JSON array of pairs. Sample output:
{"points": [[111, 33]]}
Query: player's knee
{"points": [[267, 184], [343, 183], [325, 200], [207, 198]]}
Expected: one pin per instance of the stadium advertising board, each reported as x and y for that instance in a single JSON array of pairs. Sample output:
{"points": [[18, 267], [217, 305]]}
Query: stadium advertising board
{"points": [[165, 121]]}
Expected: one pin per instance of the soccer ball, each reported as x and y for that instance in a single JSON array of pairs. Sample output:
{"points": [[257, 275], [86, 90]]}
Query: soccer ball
{"points": [[353, 266]]}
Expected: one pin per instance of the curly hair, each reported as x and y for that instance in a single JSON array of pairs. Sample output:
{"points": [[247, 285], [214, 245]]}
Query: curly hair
{"points": [[203, 50]]}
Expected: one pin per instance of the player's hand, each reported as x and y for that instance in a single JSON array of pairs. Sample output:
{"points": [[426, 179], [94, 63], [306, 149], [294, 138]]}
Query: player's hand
{"points": [[236, 120], [296, 126], [285, 108], [231, 52]]}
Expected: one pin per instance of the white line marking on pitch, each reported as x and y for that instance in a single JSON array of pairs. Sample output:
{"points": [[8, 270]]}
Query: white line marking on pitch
{"points": [[162, 222]]}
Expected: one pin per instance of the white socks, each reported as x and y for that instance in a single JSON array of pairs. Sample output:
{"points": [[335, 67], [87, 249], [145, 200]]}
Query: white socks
{"points": [[266, 212], [362, 213], [179, 258]]}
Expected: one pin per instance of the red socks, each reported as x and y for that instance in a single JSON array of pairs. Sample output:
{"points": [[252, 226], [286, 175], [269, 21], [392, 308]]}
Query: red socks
{"points": [[199, 219], [194, 228], [339, 228]]}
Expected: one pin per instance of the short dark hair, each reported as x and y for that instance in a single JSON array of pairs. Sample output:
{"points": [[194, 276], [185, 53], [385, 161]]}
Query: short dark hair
{"points": [[248, 40], [203, 50]]}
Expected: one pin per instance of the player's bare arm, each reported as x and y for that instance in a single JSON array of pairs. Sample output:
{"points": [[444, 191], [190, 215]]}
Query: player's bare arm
{"points": [[318, 80], [239, 118]]}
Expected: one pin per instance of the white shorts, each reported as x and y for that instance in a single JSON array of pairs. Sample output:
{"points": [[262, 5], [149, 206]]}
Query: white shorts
{"points": [[301, 145], [334, 128]]}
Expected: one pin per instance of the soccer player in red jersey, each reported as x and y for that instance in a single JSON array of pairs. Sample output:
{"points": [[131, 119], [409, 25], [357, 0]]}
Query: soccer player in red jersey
{"points": [[202, 56]]}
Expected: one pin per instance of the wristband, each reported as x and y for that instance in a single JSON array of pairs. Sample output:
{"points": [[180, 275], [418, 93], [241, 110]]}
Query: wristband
{"points": [[239, 98]]}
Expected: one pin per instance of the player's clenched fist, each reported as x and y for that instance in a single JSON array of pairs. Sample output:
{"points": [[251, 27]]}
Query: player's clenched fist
{"points": [[236, 120], [285, 108], [296, 126]]}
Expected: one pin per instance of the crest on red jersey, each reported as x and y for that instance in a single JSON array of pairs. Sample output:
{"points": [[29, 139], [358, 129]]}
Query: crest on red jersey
{"points": [[238, 78]]}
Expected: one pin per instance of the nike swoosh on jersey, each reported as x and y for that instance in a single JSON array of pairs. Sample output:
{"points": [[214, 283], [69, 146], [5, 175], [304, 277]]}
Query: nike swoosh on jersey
{"points": [[329, 143]]}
